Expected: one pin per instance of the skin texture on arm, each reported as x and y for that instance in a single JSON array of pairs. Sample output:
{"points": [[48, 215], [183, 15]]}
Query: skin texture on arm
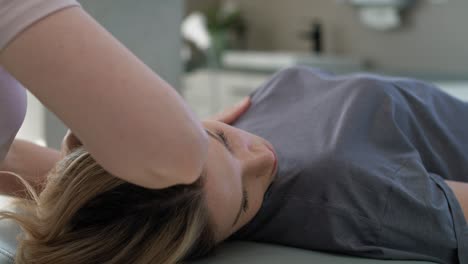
{"points": [[132, 122]]}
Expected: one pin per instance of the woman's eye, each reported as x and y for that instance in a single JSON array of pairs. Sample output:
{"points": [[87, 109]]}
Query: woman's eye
{"points": [[224, 139]]}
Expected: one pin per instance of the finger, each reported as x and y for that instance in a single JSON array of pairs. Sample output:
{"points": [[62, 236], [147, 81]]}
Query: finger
{"points": [[70, 142], [231, 114]]}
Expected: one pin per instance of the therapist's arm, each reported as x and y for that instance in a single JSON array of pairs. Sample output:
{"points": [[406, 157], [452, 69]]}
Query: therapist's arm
{"points": [[33, 162], [30, 161], [132, 122]]}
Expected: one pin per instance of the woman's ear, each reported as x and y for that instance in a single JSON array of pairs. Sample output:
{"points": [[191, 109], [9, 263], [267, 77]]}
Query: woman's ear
{"points": [[69, 143]]}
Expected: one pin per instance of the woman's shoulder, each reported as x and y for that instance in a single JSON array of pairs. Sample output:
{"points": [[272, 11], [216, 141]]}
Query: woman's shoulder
{"points": [[317, 82], [303, 81]]}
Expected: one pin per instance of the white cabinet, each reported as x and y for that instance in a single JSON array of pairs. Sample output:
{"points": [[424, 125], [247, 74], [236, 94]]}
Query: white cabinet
{"points": [[275, 61], [209, 91], [457, 89]]}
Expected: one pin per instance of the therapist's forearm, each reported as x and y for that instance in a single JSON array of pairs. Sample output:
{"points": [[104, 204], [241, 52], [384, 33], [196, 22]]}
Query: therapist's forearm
{"points": [[30, 161], [132, 122]]}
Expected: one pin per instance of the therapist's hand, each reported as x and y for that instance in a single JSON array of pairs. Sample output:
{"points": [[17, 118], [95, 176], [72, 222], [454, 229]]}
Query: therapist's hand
{"points": [[69, 143], [232, 113]]}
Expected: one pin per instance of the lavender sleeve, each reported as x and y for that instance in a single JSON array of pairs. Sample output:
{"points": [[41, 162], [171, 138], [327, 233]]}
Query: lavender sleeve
{"points": [[17, 15]]}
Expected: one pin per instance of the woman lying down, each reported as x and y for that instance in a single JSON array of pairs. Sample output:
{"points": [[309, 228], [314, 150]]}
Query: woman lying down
{"points": [[360, 164]]}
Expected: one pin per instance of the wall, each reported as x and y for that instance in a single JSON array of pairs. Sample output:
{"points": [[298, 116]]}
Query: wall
{"points": [[33, 128], [201, 5], [433, 40], [149, 28]]}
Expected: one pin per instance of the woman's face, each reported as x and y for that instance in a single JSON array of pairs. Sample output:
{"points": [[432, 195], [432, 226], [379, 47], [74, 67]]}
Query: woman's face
{"points": [[239, 170]]}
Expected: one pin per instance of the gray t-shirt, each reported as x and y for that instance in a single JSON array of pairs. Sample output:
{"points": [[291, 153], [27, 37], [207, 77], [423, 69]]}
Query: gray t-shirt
{"points": [[362, 161]]}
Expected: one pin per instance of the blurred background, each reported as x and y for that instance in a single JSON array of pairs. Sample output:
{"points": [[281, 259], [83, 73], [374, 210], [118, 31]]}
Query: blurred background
{"points": [[215, 52]]}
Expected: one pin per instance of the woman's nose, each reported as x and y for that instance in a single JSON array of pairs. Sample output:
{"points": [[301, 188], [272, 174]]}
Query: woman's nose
{"points": [[247, 143], [247, 146], [253, 156]]}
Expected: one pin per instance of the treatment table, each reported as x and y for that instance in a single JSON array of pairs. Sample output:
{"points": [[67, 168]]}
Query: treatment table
{"points": [[228, 253]]}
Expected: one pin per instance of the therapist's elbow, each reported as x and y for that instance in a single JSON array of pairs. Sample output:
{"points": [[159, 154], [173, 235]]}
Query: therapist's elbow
{"points": [[193, 160], [184, 163]]}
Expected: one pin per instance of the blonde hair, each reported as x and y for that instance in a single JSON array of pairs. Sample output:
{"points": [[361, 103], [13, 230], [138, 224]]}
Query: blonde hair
{"points": [[86, 215]]}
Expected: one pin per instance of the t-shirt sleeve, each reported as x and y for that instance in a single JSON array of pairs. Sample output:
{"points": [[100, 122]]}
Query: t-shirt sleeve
{"points": [[436, 125], [17, 15]]}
